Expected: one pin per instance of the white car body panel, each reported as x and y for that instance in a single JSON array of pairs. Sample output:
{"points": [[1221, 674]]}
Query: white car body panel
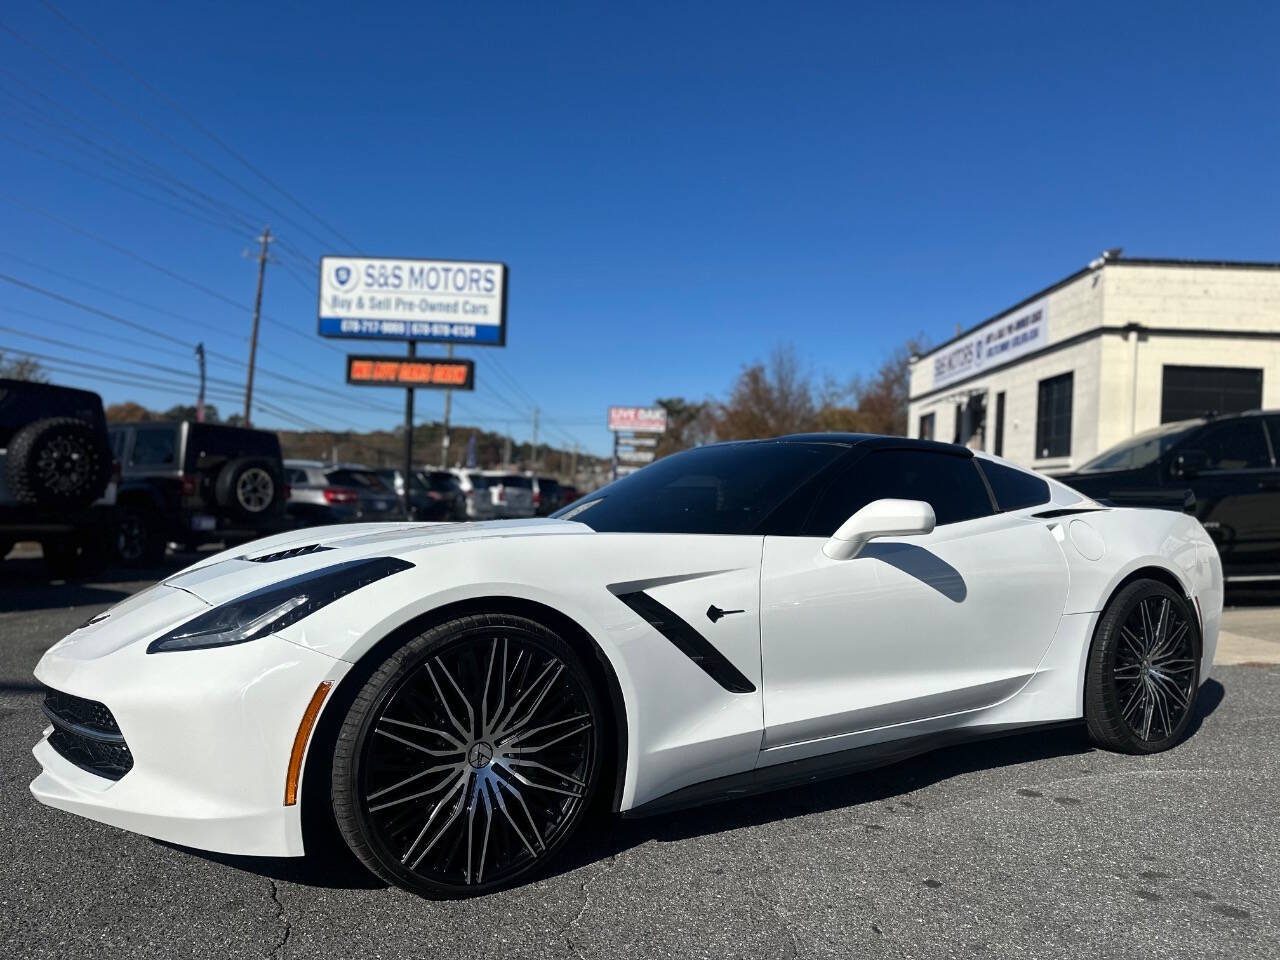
{"points": [[978, 625], [898, 634]]}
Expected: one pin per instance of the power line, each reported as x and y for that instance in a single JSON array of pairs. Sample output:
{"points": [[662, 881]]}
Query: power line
{"points": [[186, 344], [178, 109], [202, 200], [194, 284], [158, 133]]}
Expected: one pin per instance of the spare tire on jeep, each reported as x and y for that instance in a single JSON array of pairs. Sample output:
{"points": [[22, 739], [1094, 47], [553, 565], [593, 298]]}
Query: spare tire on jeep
{"points": [[58, 462], [249, 487]]}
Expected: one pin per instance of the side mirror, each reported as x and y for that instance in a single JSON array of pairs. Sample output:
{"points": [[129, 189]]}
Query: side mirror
{"points": [[880, 518], [1190, 462]]}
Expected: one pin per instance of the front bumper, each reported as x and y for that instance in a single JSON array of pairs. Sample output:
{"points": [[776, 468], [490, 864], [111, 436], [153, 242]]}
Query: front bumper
{"points": [[210, 732]]}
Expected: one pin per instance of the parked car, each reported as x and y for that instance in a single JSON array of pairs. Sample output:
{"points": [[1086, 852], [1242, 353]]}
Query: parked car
{"points": [[1223, 469], [763, 614], [433, 494], [511, 493], [321, 493], [547, 498], [56, 474], [568, 494], [194, 483], [477, 500]]}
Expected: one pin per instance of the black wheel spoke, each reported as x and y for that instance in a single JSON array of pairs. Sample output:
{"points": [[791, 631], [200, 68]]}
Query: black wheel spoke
{"points": [[479, 760]]}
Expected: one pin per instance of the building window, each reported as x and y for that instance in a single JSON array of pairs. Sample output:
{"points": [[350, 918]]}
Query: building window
{"points": [[926, 427], [998, 448], [1188, 392], [1053, 417]]}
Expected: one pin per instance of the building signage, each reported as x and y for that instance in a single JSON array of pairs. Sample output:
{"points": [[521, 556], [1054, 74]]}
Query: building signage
{"points": [[635, 442], [638, 419], [1018, 333], [446, 301], [635, 456], [411, 372]]}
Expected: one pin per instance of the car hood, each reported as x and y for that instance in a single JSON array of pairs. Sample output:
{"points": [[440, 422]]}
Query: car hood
{"points": [[233, 573]]}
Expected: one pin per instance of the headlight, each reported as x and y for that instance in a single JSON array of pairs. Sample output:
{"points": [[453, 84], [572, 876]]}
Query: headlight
{"points": [[275, 607]]}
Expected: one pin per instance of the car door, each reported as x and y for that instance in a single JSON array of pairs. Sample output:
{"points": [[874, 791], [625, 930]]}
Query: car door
{"points": [[1237, 489], [910, 629]]}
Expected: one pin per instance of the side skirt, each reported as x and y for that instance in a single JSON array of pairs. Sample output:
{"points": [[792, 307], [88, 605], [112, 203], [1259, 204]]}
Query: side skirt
{"points": [[798, 773]]}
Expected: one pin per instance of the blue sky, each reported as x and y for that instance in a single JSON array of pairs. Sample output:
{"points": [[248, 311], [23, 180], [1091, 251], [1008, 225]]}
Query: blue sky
{"points": [[677, 188]]}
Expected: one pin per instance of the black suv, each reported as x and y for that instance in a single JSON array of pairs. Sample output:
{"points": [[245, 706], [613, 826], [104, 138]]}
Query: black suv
{"points": [[1224, 468], [194, 483], [55, 473]]}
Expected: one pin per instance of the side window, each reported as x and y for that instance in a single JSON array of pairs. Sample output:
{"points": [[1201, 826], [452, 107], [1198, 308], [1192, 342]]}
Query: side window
{"points": [[1014, 489], [949, 484], [1232, 445], [154, 447], [295, 477], [117, 444]]}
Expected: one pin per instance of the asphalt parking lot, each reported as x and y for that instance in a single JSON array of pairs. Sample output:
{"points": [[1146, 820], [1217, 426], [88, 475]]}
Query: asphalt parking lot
{"points": [[1031, 846]]}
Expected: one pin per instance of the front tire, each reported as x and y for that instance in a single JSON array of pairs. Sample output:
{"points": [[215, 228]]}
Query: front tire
{"points": [[469, 758], [1144, 670]]}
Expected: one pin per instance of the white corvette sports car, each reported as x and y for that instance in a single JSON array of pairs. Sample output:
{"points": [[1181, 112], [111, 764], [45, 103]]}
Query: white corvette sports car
{"points": [[737, 617]]}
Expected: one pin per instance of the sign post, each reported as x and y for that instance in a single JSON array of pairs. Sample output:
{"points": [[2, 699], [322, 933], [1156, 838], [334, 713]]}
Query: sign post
{"points": [[408, 432], [440, 301]]}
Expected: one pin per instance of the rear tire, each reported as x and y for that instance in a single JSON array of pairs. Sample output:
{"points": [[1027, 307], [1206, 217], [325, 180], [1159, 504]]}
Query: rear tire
{"points": [[469, 758], [248, 487], [58, 462], [1143, 673]]}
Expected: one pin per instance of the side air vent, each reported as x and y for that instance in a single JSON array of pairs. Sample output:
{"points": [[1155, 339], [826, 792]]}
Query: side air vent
{"points": [[290, 553], [688, 641]]}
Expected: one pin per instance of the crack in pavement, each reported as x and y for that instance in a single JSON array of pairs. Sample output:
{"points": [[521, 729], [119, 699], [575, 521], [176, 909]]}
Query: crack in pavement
{"points": [[563, 932], [278, 950]]}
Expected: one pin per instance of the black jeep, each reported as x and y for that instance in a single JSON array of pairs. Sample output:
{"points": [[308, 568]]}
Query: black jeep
{"points": [[55, 474], [194, 483]]}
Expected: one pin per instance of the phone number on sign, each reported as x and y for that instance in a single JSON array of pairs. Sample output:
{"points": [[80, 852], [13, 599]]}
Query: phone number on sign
{"points": [[409, 328]]}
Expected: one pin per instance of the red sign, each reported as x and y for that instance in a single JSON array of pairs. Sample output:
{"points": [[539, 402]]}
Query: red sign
{"points": [[411, 372], [638, 419]]}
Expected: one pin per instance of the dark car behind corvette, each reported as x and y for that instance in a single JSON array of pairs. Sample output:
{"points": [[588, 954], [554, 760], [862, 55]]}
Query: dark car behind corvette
{"points": [[1224, 469]]}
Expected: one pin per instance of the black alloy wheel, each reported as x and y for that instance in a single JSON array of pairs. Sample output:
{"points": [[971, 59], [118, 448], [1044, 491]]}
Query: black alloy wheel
{"points": [[1144, 670], [469, 758]]}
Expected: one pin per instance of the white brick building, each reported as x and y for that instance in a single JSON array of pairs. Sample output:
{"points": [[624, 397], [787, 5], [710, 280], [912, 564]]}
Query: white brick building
{"points": [[1119, 347]]}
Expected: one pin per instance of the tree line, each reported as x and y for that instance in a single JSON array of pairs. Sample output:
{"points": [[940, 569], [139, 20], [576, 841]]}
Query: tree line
{"points": [[780, 396]]}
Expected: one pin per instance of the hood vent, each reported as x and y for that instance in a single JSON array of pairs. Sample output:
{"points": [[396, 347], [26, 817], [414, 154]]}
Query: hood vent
{"points": [[290, 553]]}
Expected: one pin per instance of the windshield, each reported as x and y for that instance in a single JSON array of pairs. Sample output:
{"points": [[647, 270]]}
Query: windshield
{"points": [[1141, 450], [726, 488]]}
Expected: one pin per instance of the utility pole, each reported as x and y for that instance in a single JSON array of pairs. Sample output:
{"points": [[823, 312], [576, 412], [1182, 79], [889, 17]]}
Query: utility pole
{"points": [[534, 453], [448, 408], [408, 434], [200, 395], [506, 447], [264, 240], [573, 470]]}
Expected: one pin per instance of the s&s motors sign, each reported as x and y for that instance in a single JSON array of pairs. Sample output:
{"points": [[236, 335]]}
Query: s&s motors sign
{"points": [[1021, 332], [446, 301]]}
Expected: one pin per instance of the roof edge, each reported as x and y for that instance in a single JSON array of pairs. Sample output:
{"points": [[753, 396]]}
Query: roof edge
{"points": [[1095, 265]]}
